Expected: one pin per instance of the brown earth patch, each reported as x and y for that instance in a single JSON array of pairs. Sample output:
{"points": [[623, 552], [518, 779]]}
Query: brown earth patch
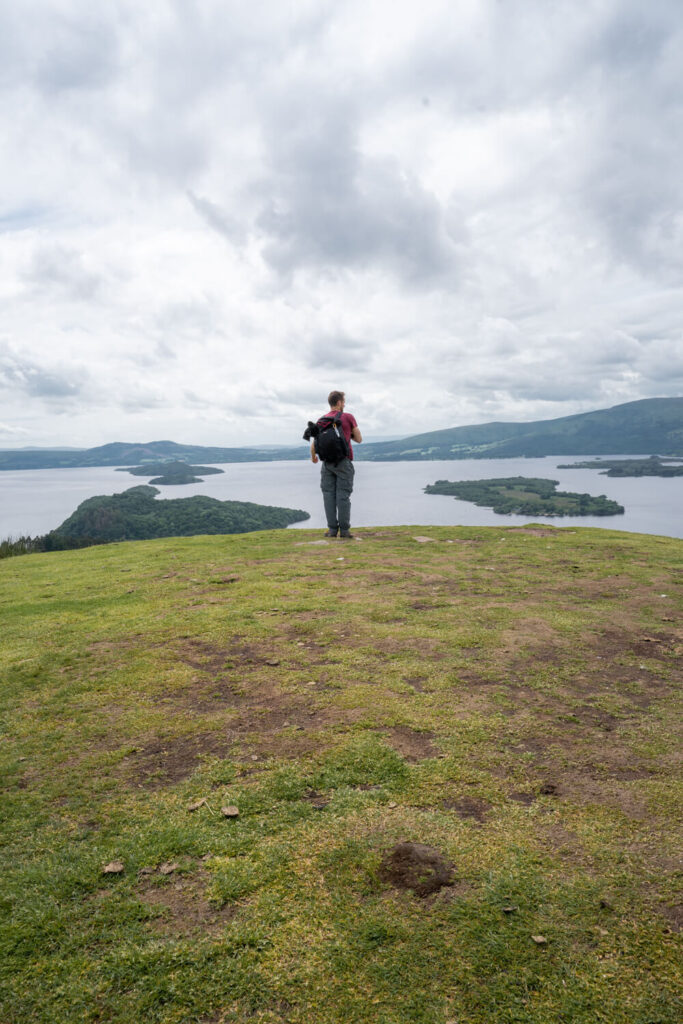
{"points": [[660, 646], [519, 797], [415, 866], [412, 744], [416, 682], [476, 681], [537, 531], [468, 807], [206, 657], [167, 760], [185, 908], [122, 644], [431, 649], [561, 841], [267, 724], [582, 786], [673, 914]]}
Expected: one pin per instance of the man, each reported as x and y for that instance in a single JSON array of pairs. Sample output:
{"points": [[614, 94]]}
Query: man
{"points": [[336, 481]]}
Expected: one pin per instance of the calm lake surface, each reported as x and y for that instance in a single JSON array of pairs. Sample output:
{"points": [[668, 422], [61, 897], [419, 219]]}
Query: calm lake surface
{"points": [[386, 493]]}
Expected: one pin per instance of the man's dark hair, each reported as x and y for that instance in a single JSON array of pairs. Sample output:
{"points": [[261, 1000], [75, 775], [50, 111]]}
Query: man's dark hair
{"points": [[334, 397]]}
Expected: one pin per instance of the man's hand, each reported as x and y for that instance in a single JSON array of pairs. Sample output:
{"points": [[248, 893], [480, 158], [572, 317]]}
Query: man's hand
{"points": [[314, 457]]}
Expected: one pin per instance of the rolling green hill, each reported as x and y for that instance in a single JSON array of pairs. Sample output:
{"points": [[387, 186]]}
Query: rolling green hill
{"points": [[451, 791], [651, 426]]}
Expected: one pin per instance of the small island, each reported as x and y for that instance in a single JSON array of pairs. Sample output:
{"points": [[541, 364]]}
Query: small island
{"points": [[526, 496], [652, 466], [171, 473], [136, 515]]}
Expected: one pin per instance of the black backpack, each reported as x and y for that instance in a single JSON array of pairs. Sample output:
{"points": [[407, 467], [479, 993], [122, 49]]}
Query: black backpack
{"points": [[330, 444]]}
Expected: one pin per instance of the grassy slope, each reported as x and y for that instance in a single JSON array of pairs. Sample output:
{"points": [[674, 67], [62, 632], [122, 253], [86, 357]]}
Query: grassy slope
{"points": [[506, 696]]}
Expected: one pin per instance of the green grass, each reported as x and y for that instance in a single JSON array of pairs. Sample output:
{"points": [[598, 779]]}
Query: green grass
{"points": [[507, 697]]}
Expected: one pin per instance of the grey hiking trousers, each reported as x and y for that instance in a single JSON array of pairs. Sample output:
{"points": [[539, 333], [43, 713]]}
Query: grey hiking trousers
{"points": [[336, 483]]}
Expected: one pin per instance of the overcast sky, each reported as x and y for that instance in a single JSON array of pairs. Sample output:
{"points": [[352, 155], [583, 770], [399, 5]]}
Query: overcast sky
{"points": [[213, 212]]}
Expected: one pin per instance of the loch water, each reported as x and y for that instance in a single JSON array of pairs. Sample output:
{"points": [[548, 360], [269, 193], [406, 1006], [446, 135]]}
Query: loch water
{"points": [[385, 493]]}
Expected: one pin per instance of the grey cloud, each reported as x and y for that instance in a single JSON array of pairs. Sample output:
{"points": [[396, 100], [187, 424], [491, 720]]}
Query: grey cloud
{"points": [[187, 319], [303, 397], [141, 399], [58, 50], [198, 401], [332, 352], [21, 218], [9, 431], [329, 206], [633, 182], [64, 269], [37, 381], [82, 53], [217, 219]]}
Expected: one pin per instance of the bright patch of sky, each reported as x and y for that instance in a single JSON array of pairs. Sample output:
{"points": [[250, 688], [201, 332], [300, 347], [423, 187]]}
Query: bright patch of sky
{"points": [[213, 213]]}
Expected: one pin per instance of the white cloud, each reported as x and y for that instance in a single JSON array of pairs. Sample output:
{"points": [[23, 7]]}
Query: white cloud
{"points": [[216, 213]]}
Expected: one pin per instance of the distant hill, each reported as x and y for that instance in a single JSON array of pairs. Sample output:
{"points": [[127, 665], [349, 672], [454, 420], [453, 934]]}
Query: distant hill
{"points": [[650, 426], [120, 453], [653, 425]]}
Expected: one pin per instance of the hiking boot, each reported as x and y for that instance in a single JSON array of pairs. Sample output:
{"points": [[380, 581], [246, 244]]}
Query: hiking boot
{"points": [[346, 535], [331, 533]]}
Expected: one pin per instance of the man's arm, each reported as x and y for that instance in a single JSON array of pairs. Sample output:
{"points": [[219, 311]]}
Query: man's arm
{"points": [[356, 435], [314, 457]]}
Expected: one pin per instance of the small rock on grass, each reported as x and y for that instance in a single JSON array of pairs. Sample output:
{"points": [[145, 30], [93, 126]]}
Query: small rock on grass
{"points": [[114, 867], [540, 940], [230, 811], [199, 803], [168, 868]]}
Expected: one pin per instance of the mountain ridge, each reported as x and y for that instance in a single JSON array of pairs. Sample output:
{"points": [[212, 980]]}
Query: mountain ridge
{"points": [[647, 426]]}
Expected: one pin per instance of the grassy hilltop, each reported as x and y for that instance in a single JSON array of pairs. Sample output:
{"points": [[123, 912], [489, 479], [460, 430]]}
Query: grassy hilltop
{"points": [[504, 697]]}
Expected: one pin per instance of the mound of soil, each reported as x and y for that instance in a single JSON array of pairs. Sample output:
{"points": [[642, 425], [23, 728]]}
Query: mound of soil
{"points": [[417, 867]]}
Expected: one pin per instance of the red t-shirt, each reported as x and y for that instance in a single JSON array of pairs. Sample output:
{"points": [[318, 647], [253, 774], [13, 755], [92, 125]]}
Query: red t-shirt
{"points": [[348, 422]]}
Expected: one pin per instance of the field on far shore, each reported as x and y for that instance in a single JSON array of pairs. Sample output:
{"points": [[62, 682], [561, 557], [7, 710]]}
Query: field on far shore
{"points": [[429, 776]]}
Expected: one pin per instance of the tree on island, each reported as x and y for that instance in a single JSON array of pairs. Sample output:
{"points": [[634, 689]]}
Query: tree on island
{"points": [[171, 473], [526, 496], [136, 515]]}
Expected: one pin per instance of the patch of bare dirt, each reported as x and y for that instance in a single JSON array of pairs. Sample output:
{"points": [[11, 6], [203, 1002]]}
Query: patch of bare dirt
{"points": [[109, 646], [468, 807], [415, 866], [412, 744], [184, 906], [520, 797], [583, 785], [209, 658], [561, 842], [673, 914], [416, 682], [644, 644], [431, 649], [167, 760], [536, 531]]}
